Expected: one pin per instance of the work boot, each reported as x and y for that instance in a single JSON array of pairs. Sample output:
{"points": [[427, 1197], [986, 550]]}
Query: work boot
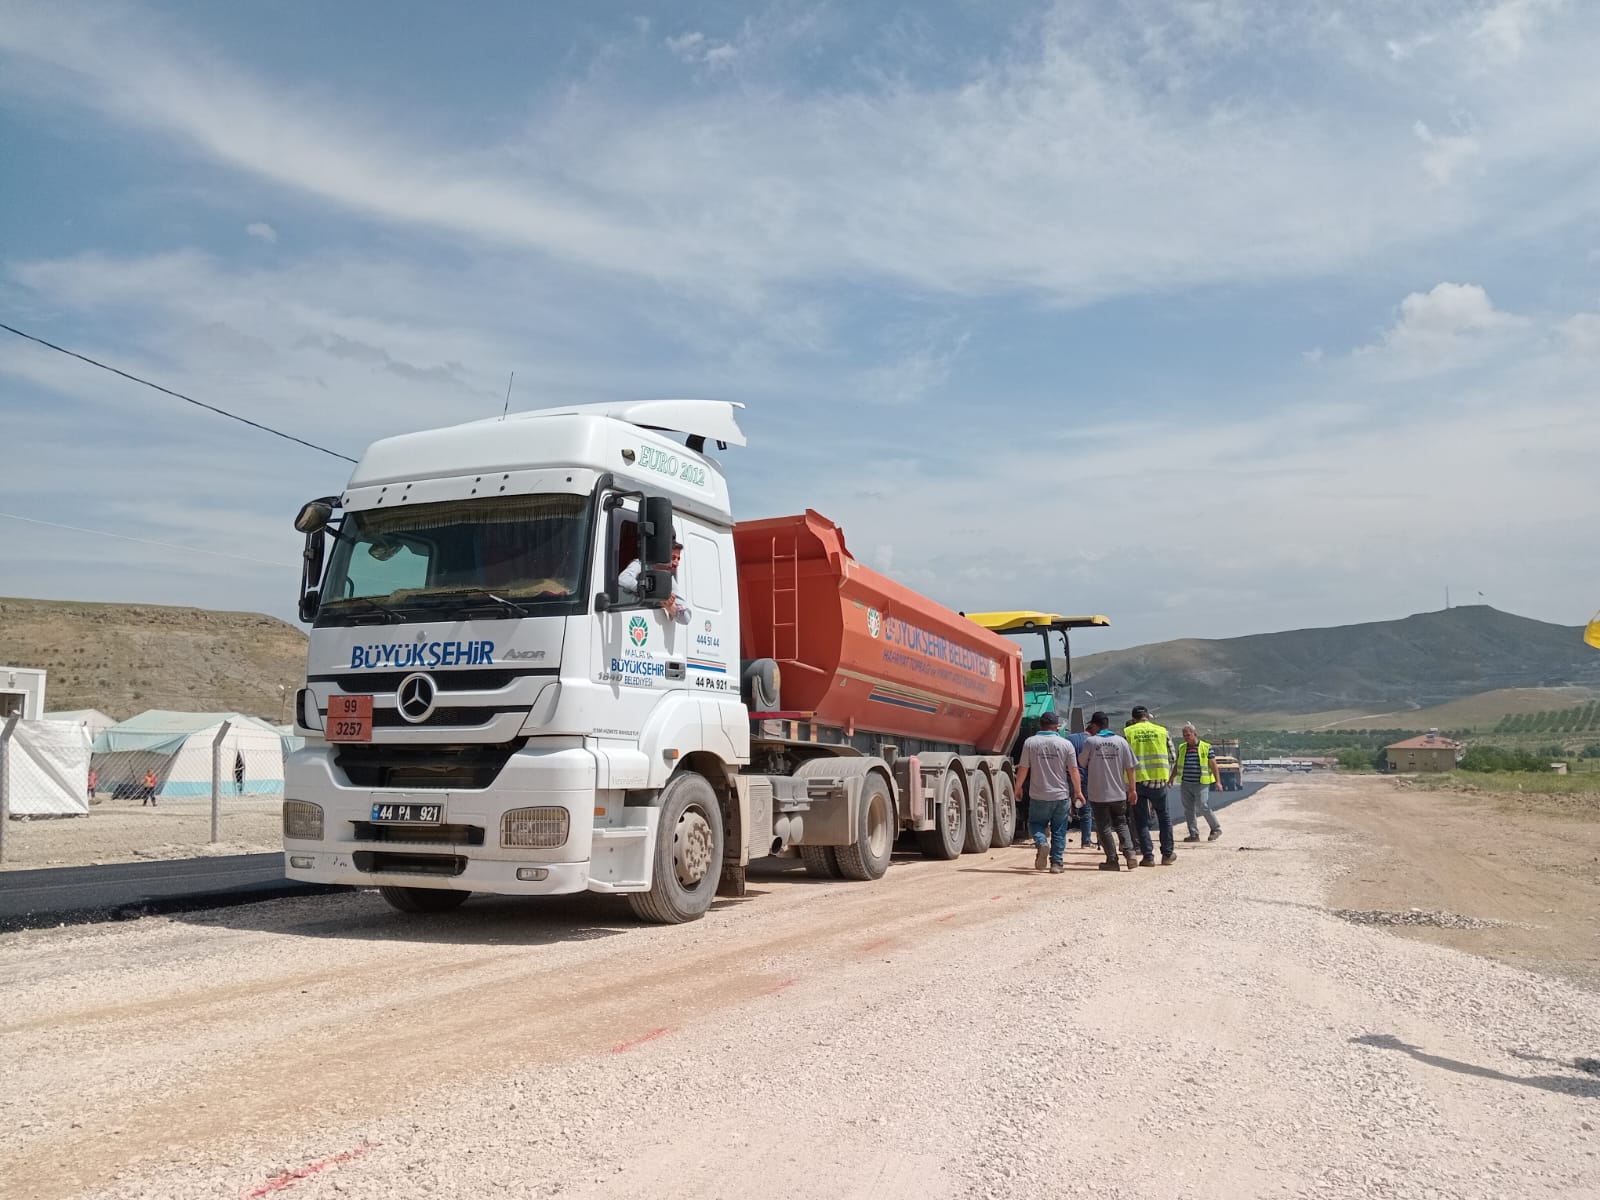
{"points": [[1041, 859], [1111, 866], [1147, 861], [1193, 837], [1168, 859], [1057, 868], [1132, 862], [1215, 834]]}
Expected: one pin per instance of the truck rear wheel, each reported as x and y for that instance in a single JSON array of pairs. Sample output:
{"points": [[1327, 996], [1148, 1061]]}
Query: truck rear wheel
{"points": [[1005, 812], [944, 840], [820, 862], [980, 821], [423, 900], [876, 824], [688, 856]]}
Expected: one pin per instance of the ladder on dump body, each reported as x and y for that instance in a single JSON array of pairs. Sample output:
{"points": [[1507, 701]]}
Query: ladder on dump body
{"points": [[786, 603]]}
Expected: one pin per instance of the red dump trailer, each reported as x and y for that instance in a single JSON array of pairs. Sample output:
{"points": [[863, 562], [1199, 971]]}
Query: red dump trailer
{"points": [[863, 653], [883, 696]]}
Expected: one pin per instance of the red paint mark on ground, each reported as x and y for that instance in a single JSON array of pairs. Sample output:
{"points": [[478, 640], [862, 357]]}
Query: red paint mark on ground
{"points": [[620, 1047], [948, 917], [994, 897], [878, 944], [779, 986], [290, 1178]]}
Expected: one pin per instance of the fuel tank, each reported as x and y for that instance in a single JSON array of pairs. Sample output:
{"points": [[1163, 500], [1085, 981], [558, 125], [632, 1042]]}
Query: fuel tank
{"points": [[864, 653]]}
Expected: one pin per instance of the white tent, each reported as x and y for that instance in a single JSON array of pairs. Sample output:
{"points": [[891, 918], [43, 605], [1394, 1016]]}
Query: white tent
{"points": [[47, 769], [176, 748], [92, 719]]}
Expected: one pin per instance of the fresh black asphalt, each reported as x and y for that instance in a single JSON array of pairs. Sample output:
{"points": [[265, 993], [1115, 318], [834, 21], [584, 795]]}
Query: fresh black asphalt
{"points": [[119, 891]]}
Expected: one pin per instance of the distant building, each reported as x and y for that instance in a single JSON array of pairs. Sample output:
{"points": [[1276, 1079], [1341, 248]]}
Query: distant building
{"points": [[1430, 752], [21, 693]]}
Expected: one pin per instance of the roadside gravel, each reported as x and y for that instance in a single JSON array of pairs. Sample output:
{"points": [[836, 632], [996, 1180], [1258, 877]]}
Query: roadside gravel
{"points": [[957, 1030]]}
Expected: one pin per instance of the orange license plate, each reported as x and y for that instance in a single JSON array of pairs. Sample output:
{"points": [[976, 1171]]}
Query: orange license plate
{"points": [[349, 718]]}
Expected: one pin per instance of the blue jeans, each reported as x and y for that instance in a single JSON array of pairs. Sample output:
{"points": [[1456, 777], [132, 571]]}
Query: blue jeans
{"points": [[1052, 816], [1086, 823], [1152, 802]]}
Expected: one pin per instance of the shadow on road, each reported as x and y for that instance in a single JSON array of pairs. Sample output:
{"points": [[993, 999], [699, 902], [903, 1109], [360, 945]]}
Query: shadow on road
{"points": [[1565, 1085]]}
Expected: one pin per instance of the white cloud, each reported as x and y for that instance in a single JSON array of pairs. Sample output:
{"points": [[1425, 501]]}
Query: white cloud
{"points": [[1446, 154], [1443, 329], [1506, 27], [262, 232], [1582, 333], [701, 50], [1072, 163]]}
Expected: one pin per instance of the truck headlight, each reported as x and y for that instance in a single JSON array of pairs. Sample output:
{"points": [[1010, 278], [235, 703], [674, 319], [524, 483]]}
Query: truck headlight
{"points": [[302, 819], [534, 828]]}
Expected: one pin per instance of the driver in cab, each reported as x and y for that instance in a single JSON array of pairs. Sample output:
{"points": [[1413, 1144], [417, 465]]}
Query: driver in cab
{"points": [[675, 607]]}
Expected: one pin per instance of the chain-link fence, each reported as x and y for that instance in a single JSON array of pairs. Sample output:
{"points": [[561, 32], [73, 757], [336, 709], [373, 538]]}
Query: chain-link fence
{"points": [[161, 784]]}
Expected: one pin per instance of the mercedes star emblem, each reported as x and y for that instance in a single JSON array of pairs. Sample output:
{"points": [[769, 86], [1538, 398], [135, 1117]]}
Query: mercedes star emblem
{"points": [[415, 697]]}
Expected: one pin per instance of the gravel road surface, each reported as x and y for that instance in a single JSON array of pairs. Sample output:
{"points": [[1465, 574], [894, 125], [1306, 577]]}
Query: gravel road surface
{"points": [[965, 1029]]}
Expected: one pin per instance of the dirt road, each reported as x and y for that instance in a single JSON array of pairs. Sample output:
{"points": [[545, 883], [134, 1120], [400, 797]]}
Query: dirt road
{"points": [[957, 1029]]}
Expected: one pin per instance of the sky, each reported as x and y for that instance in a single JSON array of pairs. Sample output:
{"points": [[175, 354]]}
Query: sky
{"points": [[1214, 316]]}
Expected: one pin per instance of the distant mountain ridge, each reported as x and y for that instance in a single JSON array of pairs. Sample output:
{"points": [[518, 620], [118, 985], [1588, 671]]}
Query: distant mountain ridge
{"points": [[1416, 662]]}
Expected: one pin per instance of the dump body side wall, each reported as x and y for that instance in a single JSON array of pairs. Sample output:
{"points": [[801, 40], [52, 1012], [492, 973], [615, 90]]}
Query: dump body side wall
{"points": [[863, 652]]}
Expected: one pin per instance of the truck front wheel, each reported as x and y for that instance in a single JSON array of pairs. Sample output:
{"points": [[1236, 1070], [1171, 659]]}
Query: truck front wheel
{"points": [[423, 900], [688, 855]]}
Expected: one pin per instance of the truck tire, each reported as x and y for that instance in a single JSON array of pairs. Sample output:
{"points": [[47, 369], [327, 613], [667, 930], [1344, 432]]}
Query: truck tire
{"points": [[1005, 812], [944, 840], [980, 821], [820, 862], [423, 900], [688, 855], [876, 826]]}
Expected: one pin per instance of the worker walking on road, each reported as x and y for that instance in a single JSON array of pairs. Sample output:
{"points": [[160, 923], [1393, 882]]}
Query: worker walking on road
{"points": [[1083, 814], [1049, 758], [1196, 773], [1153, 752], [1109, 772]]}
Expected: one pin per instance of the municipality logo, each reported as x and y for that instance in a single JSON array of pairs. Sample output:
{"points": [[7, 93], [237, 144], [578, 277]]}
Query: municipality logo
{"points": [[638, 631], [874, 622]]}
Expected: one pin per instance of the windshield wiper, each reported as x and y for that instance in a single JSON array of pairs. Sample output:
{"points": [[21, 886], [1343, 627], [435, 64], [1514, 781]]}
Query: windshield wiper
{"points": [[390, 616], [476, 594]]}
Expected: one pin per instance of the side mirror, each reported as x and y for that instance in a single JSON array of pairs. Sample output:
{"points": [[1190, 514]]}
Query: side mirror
{"points": [[311, 571], [314, 516], [655, 585], [655, 533]]}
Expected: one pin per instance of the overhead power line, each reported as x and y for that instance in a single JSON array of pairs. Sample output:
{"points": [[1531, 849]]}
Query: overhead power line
{"points": [[221, 412], [147, 541]]}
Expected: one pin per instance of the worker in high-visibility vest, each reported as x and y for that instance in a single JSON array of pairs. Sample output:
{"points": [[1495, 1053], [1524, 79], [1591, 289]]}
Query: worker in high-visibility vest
{"points": [[1196, 773], [1153, 757]]}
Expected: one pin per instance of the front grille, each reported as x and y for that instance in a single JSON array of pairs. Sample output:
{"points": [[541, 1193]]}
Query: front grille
{"points": [[457, 718], [387, 862], [425, 768], [446, 681], [437, 835]]}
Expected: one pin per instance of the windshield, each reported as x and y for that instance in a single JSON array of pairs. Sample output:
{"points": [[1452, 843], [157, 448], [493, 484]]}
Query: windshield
{"points": [[1046, 660], [525, 549]]}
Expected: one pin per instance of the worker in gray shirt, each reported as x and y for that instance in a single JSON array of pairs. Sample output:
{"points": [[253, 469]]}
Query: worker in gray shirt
{"points": [[1049, 759], [1109, 771]]}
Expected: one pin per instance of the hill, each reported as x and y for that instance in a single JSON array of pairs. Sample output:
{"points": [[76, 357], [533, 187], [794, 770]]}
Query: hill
{"points": [[1381, 670], [125, 658]]}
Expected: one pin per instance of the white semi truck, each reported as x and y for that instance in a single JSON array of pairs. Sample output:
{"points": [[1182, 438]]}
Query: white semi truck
{"points": [[543, 660]]}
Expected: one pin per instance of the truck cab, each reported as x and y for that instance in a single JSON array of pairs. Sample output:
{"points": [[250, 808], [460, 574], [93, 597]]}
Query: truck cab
{"points": [[522, 629]]}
